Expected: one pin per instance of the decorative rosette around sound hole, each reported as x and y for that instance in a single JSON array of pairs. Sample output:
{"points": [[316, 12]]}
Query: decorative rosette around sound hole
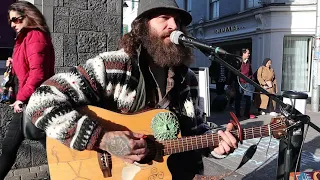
{"points": [[165, 126]]}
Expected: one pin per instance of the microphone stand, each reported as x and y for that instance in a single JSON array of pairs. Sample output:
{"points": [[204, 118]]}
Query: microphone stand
{"points": [[290, 145]]}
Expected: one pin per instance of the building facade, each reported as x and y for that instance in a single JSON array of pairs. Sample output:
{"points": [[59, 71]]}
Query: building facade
{"points": [[282, 30], [130, 9]]}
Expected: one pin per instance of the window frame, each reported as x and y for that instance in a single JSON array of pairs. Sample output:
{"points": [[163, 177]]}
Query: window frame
{"points": [[211, 9], [310, 41], [246, 4], [188, 5]]}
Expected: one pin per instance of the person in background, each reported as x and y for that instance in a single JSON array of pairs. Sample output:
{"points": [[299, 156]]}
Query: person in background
{"points": [[33, 62], [220, 74], [267, 79], [148, 71], [245, 68]]}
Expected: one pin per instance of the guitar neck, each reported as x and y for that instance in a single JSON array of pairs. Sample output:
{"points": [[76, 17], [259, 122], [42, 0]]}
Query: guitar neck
{"points": [[209, 140]]}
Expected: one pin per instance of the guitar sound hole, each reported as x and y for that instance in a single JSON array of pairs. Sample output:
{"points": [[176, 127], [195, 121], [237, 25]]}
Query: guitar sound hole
{"points": [[153, 153]]}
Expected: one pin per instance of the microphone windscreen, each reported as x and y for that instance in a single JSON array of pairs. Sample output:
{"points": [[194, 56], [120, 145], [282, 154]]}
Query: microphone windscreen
{"points": [[174, 36]]}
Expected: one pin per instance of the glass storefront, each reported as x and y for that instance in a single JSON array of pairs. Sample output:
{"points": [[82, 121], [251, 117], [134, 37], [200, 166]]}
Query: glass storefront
{"points": [[296, 63]]}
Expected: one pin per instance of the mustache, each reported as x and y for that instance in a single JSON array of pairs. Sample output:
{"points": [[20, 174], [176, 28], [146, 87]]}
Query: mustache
{"points": [[165, 34]]}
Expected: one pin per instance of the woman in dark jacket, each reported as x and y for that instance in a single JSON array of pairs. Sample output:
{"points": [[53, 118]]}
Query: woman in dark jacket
{"points": [[33, 62]]}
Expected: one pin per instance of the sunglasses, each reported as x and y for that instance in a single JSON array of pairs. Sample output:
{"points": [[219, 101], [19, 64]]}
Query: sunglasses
{"points": [[16, 19]]}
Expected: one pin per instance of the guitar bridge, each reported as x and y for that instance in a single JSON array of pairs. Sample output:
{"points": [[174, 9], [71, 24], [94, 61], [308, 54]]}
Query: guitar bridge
{"points": [[105, 163]]}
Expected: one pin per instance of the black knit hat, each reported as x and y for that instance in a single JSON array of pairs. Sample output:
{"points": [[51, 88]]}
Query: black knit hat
{"points": [[147, 7]]}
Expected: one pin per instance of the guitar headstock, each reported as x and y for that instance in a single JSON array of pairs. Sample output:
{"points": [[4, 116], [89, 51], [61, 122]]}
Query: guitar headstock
{"points": [[278, 127]]}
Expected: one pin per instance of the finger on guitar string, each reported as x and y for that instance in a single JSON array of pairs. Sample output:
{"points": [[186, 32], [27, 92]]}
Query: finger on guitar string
{"points": [[220, 149], [123, 143], [229, 127], [131, 161], [226, 147], [141, 151], [135, 157], [233, 140], [139, 143], [137, 135], [228, 138]]}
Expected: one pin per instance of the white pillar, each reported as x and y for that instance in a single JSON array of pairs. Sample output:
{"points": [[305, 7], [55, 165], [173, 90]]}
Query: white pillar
{"points": [[315, 66]]}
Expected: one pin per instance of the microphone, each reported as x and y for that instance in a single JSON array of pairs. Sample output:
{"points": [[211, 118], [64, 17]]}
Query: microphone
{"points": [[177, 37]]}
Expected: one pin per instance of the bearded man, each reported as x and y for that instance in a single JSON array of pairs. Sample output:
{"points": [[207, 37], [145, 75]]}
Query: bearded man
{"points": [[147, 72]]}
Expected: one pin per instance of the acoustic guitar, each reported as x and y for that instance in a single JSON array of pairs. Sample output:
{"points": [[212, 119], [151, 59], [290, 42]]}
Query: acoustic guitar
{"points": [[65, 163]]}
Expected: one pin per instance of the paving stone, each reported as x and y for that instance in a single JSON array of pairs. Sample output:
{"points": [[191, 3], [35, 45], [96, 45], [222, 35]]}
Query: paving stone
{"points": [[12, 178], [29, 176], [44, 168], [21, 171], [34, 169]]}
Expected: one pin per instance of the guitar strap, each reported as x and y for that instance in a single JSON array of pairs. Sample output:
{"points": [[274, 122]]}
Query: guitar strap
{"points": [[164, 103]]}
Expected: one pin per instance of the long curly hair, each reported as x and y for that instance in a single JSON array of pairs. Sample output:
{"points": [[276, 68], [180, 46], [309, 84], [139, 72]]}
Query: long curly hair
{"points": [[131, 41], [32, 15]]}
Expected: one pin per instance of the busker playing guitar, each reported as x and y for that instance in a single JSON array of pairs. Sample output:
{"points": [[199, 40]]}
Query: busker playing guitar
{"points": [[147, 72]]}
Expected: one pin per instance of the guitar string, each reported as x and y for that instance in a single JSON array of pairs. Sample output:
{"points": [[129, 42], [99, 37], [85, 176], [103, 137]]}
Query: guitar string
{"points": [[247, 132], [188, 140], [215, 138], [151, 150]]}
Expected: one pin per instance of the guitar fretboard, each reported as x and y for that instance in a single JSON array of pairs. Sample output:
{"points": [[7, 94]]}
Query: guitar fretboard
{"points": [[209, 140]]}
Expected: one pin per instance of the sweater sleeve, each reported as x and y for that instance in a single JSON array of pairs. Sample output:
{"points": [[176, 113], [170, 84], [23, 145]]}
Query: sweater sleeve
{"points": [[52, 106]]}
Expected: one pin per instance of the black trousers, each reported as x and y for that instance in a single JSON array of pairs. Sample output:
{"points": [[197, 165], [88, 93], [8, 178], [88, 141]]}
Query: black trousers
{"points": [[11, 143], [238, 102], [220, 87]]}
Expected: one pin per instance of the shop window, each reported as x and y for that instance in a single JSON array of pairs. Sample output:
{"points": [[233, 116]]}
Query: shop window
{"points": [[187, 5], [296, 63], [214, 9], [252, 3]]}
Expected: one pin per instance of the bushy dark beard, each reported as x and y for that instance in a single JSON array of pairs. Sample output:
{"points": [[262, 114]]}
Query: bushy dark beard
{"points": [[166, 54]]}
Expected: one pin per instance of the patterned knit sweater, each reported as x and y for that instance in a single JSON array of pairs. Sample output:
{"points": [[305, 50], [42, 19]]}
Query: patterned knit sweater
{"points": [[109, 80]]}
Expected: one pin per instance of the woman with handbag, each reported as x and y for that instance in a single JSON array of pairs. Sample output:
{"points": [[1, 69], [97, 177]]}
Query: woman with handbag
{"points": [[267, 79], [33, 62]]}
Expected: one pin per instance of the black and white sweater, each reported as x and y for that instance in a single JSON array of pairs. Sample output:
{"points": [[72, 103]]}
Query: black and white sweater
{"points": [[109, 80]]}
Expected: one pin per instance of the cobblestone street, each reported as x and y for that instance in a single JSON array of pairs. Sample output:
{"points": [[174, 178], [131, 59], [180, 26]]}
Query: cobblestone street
{"points": [[263, 164]]}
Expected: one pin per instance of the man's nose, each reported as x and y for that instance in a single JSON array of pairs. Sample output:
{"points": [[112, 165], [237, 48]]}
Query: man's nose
{"points": [[172, 25]]}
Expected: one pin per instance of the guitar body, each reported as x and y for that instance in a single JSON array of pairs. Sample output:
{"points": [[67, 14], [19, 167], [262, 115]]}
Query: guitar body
{"points": [[66, 163]]}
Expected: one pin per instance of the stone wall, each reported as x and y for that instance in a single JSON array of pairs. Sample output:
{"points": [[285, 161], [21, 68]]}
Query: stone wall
{"points": [[80, 29], [84, 28]]}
